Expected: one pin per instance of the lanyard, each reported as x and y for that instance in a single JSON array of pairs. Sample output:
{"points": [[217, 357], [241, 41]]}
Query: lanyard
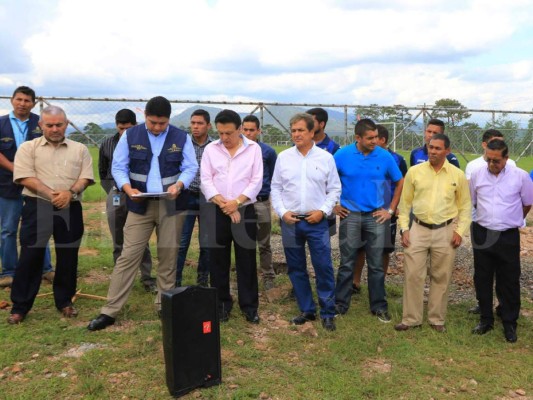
{"points": [[24, 131]]}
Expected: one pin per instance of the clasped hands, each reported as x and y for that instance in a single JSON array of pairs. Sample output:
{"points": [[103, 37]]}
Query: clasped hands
{"points": [[61, 199], [228, 207]]}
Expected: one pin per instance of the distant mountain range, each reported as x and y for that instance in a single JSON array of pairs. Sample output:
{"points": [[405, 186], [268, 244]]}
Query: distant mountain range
{"points": [[335, 126]]}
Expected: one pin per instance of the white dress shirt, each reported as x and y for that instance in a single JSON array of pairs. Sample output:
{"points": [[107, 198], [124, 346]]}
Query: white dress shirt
{"points": [[305, 183]]}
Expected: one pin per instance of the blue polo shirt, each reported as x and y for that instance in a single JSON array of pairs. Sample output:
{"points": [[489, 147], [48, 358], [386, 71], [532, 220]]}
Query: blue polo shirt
{"points": [[364, 179]]}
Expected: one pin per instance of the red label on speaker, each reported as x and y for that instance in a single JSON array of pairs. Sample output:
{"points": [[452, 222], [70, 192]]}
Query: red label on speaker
{"points": [[207, 327]]}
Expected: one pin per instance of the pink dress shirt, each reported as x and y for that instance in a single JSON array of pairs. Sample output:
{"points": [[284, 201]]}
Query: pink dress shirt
{"points": [[232, 176], [499, 200]]}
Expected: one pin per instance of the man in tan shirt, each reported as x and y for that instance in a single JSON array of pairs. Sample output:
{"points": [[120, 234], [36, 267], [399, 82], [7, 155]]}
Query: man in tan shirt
{"points": [[54, 171]]}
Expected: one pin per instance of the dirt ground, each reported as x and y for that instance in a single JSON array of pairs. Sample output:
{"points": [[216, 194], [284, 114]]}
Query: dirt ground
{"points": [[462, 288]]}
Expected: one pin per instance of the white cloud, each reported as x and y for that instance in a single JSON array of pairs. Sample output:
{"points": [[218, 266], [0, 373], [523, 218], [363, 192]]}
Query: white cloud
{"points": [[355, 52]]}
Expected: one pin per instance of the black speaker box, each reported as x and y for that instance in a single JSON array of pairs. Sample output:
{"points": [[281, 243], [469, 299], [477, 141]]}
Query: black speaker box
{"points": [[191, 338]]}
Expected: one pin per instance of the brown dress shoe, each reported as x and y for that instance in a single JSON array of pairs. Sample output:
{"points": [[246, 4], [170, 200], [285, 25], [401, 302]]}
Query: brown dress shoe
{"points": [[403, 327], [438, 328], [15, 319], [69, 312]]}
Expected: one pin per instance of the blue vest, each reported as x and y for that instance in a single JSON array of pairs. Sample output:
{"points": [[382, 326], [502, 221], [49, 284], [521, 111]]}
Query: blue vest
{"points": [[140, 155], [8, 148]]}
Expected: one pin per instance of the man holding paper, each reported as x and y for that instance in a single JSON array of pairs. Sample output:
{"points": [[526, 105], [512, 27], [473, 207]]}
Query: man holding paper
{"points": [[153, 163]]}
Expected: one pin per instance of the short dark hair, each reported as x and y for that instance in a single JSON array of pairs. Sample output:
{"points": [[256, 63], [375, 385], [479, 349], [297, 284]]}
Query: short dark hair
{"points": [[201, 113], [436, 122], [491, 133], [228, 117], [307, 118], [383, 133], [443, 137], [498, 145], [319, 113], [125, 116], [252, 118], [364, 125], [158, 107], [28, 91]]}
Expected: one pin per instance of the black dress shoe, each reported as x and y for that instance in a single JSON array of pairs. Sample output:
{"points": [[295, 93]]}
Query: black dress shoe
{"points": [[303, 318], [482, 328], [329, 324], [510, 333], [252, 317], [100, 322]]}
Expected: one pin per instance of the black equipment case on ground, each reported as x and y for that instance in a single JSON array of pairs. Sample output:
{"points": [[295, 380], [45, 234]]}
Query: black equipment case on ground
{"points": [[191, 338]]}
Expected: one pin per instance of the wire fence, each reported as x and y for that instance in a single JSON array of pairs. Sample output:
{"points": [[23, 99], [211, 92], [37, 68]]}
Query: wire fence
{"points": [[92, 120]]}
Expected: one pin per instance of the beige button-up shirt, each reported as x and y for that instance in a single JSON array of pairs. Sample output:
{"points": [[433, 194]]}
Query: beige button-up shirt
{"points": [[57, 167]]}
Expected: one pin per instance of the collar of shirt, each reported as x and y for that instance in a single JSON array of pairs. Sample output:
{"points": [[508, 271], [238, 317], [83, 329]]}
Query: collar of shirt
{"points": [[45, 142], [207, 141], [373, 153], [153, 134], [12, 116], [444, 167], [245, 143]]}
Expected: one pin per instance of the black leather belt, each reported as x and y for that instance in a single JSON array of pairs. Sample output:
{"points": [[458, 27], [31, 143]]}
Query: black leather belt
{"points": [[364, 212], [262, 198], [433, 226]]}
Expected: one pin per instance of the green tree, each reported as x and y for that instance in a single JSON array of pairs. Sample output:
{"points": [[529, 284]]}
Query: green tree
{"points": [[452, 111], [93, 129]]}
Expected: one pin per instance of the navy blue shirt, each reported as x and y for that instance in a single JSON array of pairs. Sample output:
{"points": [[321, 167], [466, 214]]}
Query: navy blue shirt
{"points": [[364, 178], [269, 162], [400, 162], [420, 155], [329, 145]]}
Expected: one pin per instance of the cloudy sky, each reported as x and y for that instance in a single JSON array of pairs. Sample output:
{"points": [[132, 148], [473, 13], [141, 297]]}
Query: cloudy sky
{"points": [[406, 52]]}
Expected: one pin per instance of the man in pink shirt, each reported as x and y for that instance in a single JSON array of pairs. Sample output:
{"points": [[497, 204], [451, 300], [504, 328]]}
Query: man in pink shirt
{"points": [[231, 175], [502, 195]]}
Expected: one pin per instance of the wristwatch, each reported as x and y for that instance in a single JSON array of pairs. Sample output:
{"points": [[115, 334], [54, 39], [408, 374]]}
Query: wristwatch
{"points": [[74, 194], [324, 214], [391, 212], [239, 203]]}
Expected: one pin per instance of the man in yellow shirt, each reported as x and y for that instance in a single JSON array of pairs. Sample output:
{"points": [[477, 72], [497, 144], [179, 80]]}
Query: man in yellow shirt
{"points": [[437, 192]]}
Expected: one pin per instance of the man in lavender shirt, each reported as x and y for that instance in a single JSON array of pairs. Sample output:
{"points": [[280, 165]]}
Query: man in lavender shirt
{"points": [[231, 176], [502, 195]]}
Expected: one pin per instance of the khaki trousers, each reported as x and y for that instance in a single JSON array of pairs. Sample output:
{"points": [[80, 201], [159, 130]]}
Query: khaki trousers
{"points": [[436, 243], [137, 232], [264, 229]]}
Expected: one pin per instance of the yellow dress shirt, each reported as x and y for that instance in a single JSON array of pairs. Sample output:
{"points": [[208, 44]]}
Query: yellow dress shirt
{"points": [[436, 197]]}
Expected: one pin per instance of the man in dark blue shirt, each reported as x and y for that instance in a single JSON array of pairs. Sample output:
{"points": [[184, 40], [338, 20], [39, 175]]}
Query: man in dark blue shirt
{"points": [[420, 154], [252, 130], [321, 139]]}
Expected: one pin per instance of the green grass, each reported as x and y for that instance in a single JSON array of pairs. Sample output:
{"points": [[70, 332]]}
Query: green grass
{"points": [[363, 359]]}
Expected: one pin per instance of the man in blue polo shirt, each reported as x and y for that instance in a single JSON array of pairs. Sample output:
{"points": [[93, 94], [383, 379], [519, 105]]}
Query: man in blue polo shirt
{"points": [[365, 171], [420, 154]]}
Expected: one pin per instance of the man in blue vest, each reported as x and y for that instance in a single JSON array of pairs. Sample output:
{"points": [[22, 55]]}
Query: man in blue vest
{"points": [[420, 154], [153, 164], [16, 127]]}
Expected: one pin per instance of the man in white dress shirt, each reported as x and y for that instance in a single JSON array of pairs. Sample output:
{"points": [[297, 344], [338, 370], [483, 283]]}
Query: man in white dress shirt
{"points": [[305, 187]]}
